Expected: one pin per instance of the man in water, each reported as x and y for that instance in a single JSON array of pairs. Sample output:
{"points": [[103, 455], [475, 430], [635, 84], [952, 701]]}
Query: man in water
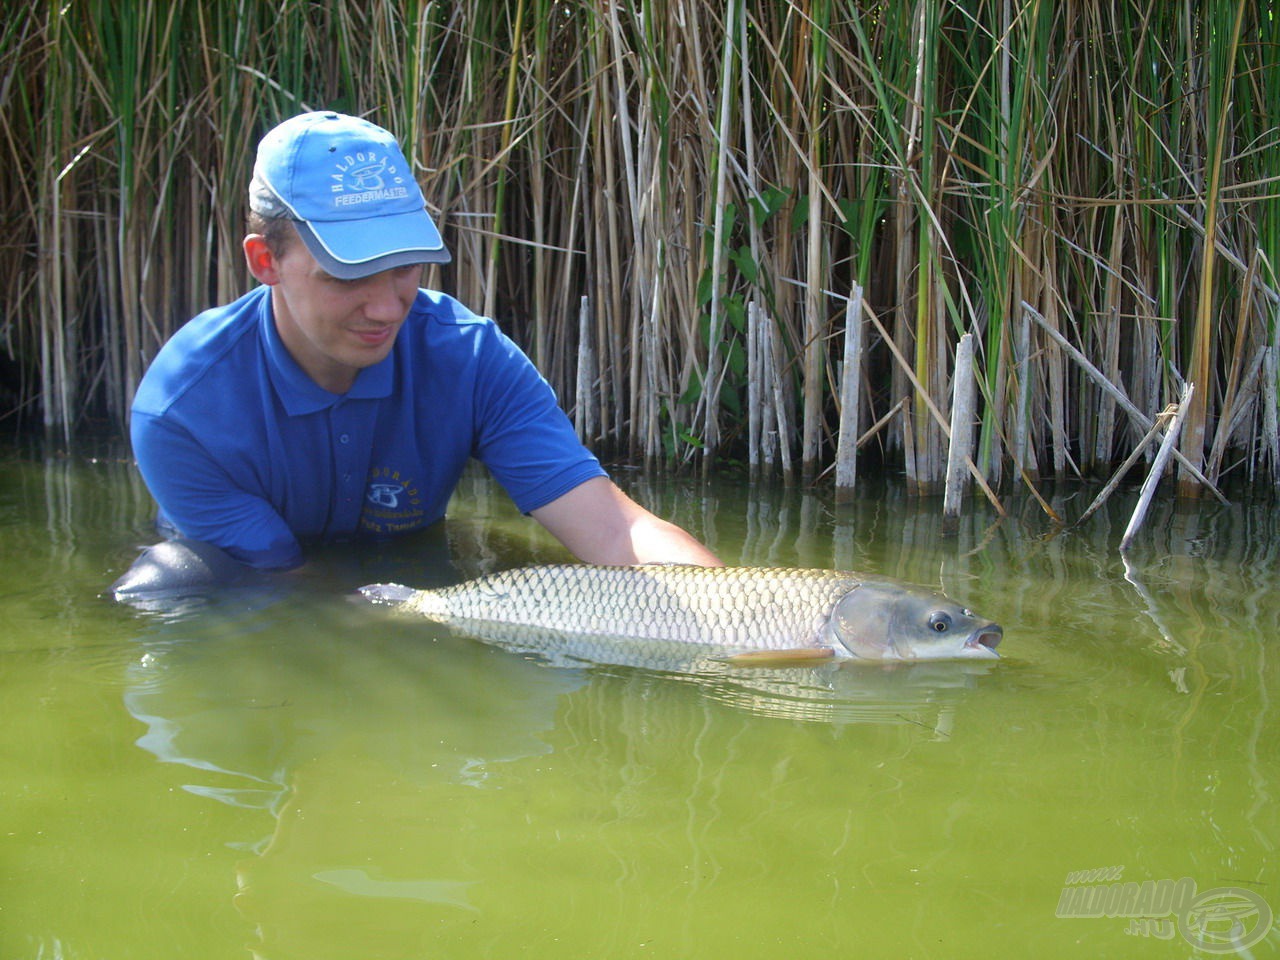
{"points": [[339, 399]]}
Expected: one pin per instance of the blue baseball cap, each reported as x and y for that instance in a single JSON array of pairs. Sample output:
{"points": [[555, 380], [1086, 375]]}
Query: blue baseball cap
{"points": [[349, 190]]}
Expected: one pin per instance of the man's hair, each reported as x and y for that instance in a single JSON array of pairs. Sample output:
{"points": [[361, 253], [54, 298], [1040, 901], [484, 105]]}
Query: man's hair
{"points": [[279, 232]]}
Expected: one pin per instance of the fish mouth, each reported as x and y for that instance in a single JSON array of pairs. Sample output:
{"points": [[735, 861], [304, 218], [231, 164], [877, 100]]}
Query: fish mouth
{"points": [[983, 641]]}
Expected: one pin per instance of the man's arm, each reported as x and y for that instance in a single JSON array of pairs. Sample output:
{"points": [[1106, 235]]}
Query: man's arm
{"points": [[201, 501], [599, 523]]}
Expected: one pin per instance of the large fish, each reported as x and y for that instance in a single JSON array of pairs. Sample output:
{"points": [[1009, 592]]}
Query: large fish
{"points": [[742, 614]]}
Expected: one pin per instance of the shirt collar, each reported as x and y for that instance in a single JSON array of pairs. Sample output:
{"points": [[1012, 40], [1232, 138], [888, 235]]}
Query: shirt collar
{"points": [[297, 391]]}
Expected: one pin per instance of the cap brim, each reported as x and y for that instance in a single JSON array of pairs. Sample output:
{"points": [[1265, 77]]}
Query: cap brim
{"points": [[351, 249]]}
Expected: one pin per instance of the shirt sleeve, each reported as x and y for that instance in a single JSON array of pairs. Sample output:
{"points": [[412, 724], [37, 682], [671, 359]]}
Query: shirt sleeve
{"points": [[523, 436], [200, 499]]}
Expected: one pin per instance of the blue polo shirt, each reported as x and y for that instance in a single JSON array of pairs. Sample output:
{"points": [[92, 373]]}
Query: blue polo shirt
{"points": [[242, 449]]}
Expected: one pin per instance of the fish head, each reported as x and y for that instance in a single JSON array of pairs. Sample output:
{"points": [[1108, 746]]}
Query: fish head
{"points": [[894, 621]]}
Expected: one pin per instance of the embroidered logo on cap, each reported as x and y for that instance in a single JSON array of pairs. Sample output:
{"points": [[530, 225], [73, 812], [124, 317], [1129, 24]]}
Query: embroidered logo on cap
{"points": [[366, 177]]}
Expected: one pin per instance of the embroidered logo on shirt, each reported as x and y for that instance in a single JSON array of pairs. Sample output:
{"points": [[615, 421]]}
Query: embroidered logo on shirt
{"points": [[385, 494], [392, 503]]}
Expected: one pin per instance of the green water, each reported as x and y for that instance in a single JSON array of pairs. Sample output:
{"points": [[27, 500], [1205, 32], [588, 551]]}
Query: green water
{"points": [[284, 773]]}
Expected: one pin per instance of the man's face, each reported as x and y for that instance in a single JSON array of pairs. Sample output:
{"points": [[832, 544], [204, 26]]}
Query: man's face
{"points": [[335, 328]]}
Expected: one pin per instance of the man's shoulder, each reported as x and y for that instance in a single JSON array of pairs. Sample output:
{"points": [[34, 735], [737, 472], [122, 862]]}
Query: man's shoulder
{"points": [[215, 343], [442, 325], [435, 309]]}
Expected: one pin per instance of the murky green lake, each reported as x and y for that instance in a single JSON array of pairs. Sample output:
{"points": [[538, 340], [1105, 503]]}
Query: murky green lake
{"points": [[283, 773]]}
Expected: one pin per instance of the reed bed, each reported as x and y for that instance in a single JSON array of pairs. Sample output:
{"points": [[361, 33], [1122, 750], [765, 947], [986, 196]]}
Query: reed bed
{"points": [[716, 180]]}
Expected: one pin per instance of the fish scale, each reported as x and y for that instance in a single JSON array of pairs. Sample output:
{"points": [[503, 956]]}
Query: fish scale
{"points": [[745, 608]]}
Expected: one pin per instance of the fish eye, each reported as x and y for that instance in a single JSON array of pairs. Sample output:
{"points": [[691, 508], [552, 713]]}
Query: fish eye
{"points": [[940, 622]]}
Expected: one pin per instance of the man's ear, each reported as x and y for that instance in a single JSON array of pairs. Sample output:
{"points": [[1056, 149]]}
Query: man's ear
{"points": [[262, 263]]}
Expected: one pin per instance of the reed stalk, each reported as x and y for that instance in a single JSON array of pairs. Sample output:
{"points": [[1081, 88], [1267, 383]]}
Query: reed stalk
{"points": [[1222, 41]]}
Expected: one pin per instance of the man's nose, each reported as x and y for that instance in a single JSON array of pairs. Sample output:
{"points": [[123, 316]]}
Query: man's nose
{"points": [[384, 301]]}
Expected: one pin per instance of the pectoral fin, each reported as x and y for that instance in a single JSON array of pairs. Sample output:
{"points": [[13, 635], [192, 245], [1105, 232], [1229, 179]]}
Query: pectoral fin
{"points": [[386, 592], [754, 658]]}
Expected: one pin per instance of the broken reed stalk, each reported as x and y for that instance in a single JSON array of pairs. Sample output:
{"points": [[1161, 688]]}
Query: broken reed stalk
{"points": [[776, 366], [1023, 378], [585, 404], [754, 383], [883, 422], [923, 395], [1157, 468], [1162, 421], [850, 396], [1270, 420], [1119, 395], [1241, 400], [962, 417], [768, 416]]}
